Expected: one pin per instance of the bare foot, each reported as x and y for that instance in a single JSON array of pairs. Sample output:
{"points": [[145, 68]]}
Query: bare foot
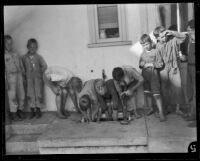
{"points": [[179, 112], [150, 112]]}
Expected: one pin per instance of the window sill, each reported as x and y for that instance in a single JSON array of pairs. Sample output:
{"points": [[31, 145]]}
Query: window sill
{"points": [[106, 44]]}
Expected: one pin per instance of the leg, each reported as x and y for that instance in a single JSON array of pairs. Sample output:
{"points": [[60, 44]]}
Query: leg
{"points": [[148, 101], [64, 100], [21, 96], [164, 75], [131, 105], [158, 100], [12, 83], [74, 99], [58, 104], [175, 81]]}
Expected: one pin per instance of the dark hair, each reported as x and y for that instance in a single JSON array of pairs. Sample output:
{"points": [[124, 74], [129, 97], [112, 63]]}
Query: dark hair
{"points": [[84, 102], [117, 73], [173, 27], [7, 37], [191, 24], [145, 38], [76, 82], [158, 30], [30, 41]]}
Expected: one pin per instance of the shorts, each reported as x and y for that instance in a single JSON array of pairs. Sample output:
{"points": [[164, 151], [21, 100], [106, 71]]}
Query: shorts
{"points": [[151, 81]]}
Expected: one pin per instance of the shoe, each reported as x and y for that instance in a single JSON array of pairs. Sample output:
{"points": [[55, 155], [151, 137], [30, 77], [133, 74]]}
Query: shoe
{"points": [[150, 112], [192, 124], [38, 113], [65, 113], [162, 118], [61, 116], [21, 114], [14, 116], [33, 114], [190, 118]]}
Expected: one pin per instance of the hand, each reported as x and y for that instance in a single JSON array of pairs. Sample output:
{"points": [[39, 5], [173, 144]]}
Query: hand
{"points": [[126, 93], [169, 32], [148, 65], [56, 90], [183, 58], [174, 70]]}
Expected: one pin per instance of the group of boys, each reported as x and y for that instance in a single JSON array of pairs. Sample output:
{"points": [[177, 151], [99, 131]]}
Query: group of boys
{"points": [[160, 70]]}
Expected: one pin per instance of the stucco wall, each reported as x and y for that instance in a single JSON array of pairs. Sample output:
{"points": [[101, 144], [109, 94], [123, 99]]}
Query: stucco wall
{"points": [[63, 34]]}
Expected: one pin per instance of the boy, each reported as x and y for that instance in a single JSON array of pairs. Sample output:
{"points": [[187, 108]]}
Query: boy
{"points": [[63, 84], [131, 79], [34, 66], [14, 72], [170, 74], [91, 103], [191, 74], [150, 61]]}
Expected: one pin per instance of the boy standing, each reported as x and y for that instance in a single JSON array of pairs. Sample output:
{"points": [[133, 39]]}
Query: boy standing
{"points": [[191, 73], [170, 74], [14, 79], [150, 61]]}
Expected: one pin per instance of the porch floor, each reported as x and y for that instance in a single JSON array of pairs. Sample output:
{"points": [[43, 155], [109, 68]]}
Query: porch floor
{"points": [[144, 135]]}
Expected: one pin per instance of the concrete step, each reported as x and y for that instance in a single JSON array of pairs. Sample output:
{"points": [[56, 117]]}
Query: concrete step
{"points": [[22, 144]]}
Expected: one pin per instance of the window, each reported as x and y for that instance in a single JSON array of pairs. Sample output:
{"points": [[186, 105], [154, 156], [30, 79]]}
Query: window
{"points": [[107, 25]]}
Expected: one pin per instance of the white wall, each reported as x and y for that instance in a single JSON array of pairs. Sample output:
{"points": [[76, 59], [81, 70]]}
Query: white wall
{"points": [[63, 35]]}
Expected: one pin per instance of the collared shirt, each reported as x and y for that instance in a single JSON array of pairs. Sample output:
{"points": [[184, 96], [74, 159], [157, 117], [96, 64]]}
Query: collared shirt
{"points": [[153, 57], [13, 62]]}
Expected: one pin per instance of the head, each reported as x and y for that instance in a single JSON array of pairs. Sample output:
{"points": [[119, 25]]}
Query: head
{"points": [[8, 42], [146, 42], [191, 30], [32, 46], [118, 74], [156, 32], [76, 84], [85, 102], [173, 28], [100, 87]]}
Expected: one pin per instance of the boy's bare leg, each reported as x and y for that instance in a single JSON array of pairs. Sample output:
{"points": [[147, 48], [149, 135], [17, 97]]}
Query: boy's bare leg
{"points": [[178, 111], [132, 104], [160, 107], [115, 115], [148, 101], [58, 105], [64, 96]]}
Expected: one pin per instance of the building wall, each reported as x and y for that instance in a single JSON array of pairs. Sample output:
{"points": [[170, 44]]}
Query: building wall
{"points": [[63, 34]]}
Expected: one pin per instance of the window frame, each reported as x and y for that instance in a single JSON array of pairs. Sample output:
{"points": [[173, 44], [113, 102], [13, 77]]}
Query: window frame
{"points": [[95, 41]]}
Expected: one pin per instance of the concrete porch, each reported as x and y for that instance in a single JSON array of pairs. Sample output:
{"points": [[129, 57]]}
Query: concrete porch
{"points": [[50, 135]]}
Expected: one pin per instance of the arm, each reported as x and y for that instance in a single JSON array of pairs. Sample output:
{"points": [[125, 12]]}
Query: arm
{"points": [[137, 76], [159, 61], [43, 63], [22, 65], [180, 36], [141, 62]]}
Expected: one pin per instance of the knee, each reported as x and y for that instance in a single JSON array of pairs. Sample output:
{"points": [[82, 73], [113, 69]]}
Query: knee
{"points": [[64, 91]]}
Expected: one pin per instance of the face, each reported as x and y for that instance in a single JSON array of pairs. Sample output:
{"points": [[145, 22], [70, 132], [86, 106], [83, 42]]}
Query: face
{"points": [[100, 88], [162, 37], [147, 46], [8, 44], [191, 33], [32, 48]]}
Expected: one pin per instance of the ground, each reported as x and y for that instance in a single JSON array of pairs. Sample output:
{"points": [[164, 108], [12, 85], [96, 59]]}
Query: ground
{"points": [[51, 135]]}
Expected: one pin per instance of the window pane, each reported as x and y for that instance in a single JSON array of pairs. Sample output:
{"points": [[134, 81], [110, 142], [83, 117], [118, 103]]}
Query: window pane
{"points": [[108, 21]]}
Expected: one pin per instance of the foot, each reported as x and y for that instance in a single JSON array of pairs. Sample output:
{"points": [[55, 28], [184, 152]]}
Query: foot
{"points": [[21, 114], [190, 118], [14, 117], [66, 113], [33, 114], [156, 114], [150, 112], [192, 124], [137, 116], [179, 112], [162, 118], [61, 116], [38, 113]]}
